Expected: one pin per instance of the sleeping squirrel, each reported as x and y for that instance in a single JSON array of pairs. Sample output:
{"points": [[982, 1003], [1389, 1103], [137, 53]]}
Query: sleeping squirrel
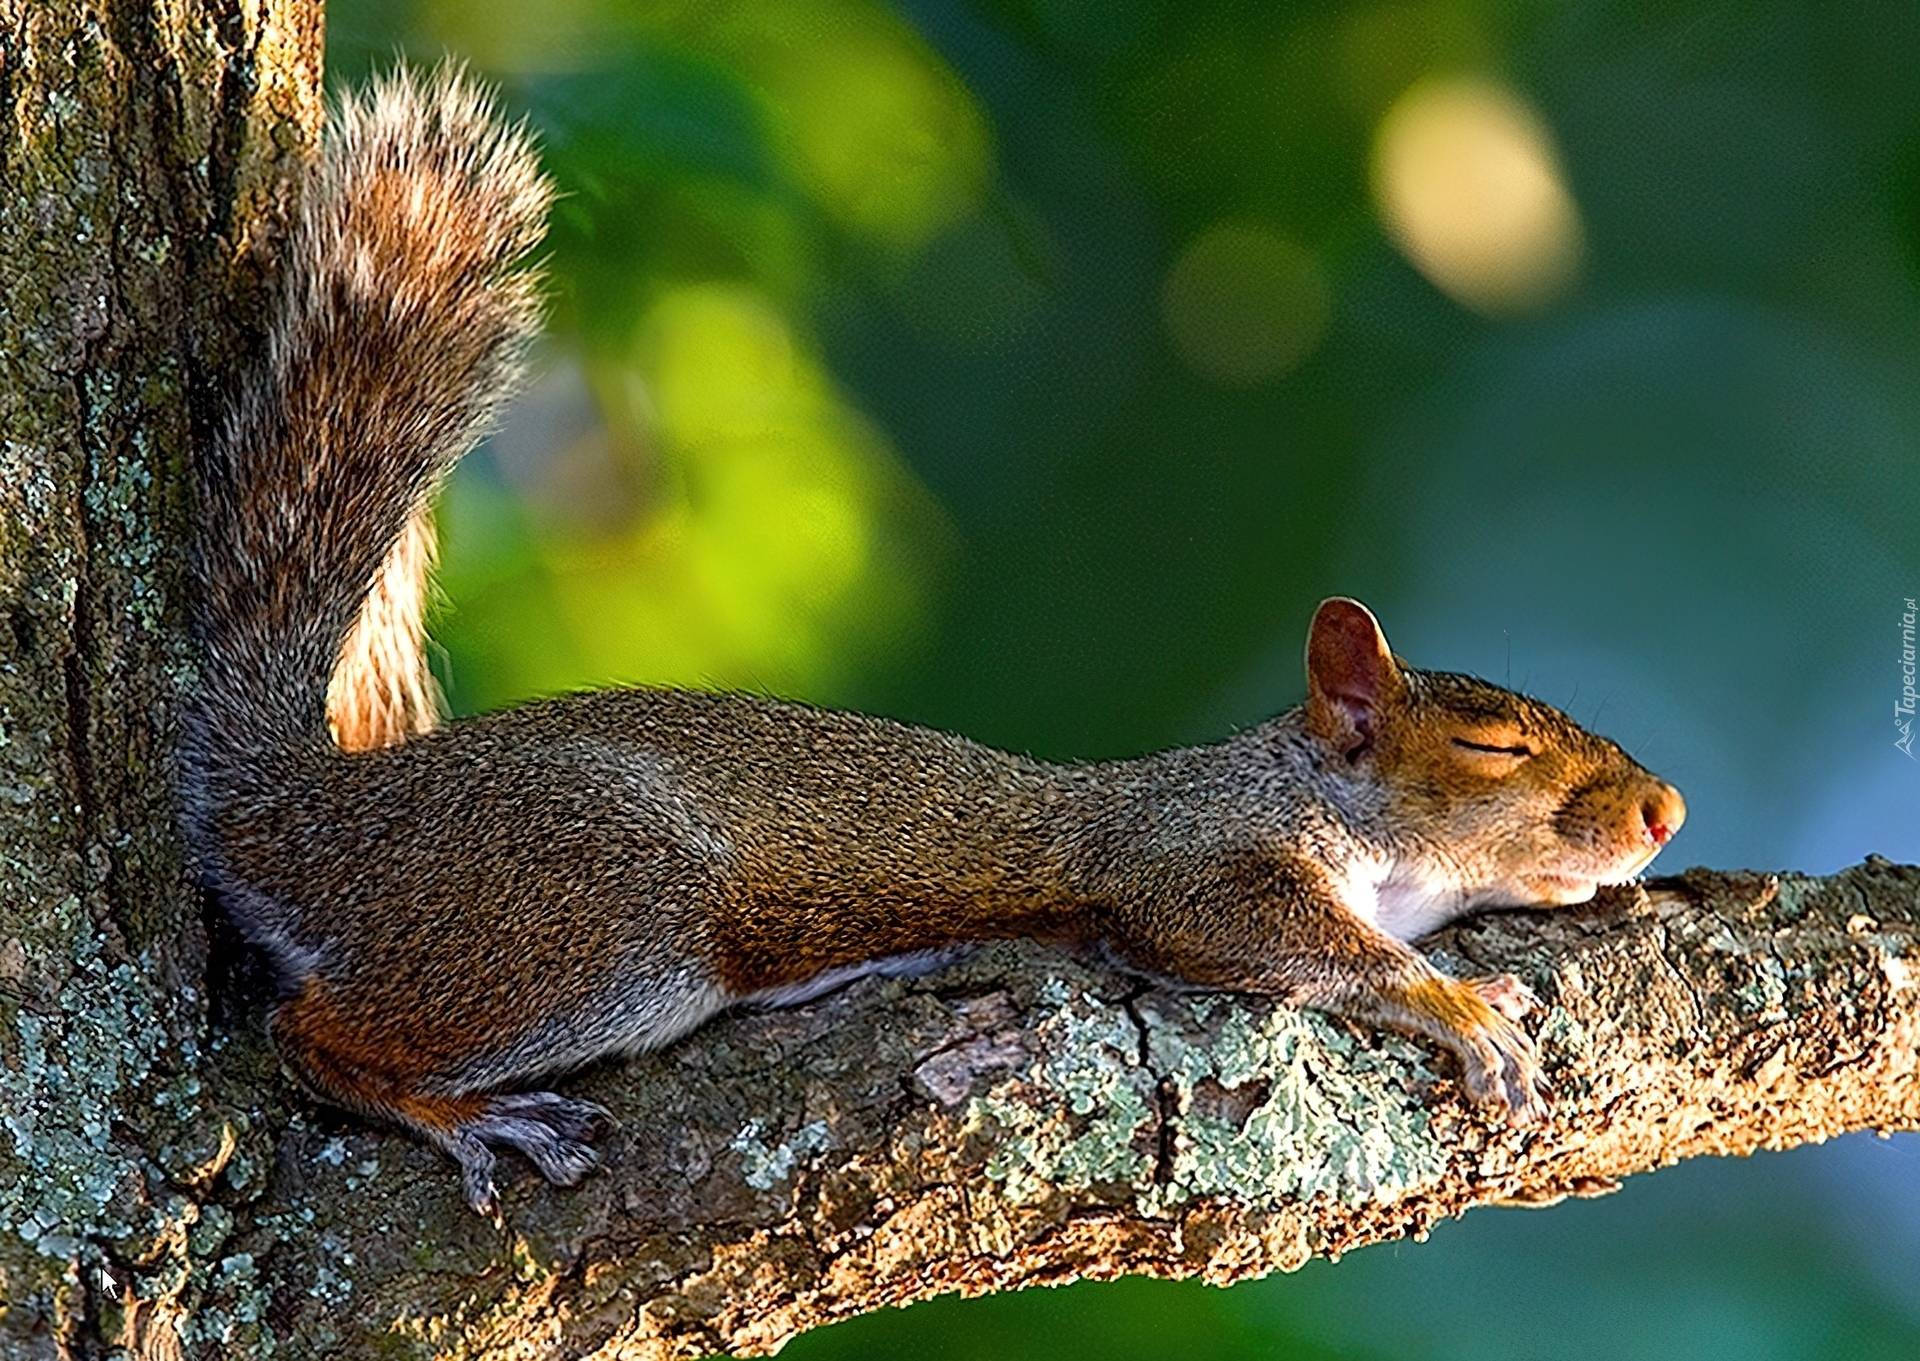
{"points": [[454, 910]]}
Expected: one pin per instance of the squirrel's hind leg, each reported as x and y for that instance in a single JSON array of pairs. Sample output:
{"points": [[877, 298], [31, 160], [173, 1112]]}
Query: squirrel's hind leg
{"points": [[551, 1130], [340, 1063]]}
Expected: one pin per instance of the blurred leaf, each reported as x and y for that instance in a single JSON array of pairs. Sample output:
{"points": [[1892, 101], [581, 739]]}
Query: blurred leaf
{"points": [[1129, 1320]]}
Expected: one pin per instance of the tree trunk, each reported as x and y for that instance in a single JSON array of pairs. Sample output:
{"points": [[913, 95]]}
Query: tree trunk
{"points": [[1017, 1119], [147, 152]]}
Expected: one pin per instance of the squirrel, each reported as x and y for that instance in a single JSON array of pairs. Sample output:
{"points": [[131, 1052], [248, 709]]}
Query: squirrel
{"points": [[452, 910]]}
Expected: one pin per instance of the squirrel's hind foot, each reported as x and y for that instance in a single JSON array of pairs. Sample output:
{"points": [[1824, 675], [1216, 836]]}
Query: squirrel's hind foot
{"points": [[551, 1130]]}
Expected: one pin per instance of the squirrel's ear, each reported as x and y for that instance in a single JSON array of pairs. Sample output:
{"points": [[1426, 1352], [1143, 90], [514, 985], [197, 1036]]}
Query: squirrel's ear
{"points": [[1351, 675]]}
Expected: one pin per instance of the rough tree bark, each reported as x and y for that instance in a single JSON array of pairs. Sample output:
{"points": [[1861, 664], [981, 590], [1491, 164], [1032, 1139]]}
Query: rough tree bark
{"points": [[145, 155], [1018, 1119]]}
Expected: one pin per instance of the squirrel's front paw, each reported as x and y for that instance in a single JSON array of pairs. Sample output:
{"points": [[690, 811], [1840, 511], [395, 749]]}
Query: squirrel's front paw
{"points": [[1501, 1068], [1477, 1021]]}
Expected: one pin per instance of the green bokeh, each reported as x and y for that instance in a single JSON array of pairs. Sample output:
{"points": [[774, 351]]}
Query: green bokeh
{"points": [[1031, 367]]}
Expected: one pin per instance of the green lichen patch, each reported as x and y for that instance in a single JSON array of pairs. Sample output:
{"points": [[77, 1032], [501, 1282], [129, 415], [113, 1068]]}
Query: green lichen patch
{"points": [[75, 1074], [1324, 1114], [762, 1164], [1082, 1111], [1268, 1104]]}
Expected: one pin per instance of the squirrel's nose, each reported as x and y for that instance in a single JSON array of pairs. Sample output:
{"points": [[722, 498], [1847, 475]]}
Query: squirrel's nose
{"points": [[1663, 812]]}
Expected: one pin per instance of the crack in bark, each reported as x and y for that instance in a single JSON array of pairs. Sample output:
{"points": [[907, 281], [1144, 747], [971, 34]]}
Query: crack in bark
{"points": [[1166, 1095], [80, 651]]}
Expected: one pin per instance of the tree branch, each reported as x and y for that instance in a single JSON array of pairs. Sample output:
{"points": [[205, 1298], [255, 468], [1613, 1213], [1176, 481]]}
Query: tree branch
{"points": [[1025, 1118]]}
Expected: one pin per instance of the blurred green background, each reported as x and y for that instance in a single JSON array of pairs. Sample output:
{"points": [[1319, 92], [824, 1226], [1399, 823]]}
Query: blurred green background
{"points": [[1030, 368]]}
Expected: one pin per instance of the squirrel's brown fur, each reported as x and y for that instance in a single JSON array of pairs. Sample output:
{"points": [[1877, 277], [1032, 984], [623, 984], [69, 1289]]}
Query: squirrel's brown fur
{"points": [[457, 912]]}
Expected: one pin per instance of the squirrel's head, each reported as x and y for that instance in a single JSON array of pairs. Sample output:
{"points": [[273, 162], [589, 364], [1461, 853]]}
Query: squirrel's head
{"points": [[1501, 798]]}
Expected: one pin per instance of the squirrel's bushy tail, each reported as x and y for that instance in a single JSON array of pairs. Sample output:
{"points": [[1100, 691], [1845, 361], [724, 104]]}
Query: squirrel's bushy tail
{"points": [[404, 312]]}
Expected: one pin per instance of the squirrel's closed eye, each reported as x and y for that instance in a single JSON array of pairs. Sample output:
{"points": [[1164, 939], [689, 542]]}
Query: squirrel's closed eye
{"points": [[1518, 751]]}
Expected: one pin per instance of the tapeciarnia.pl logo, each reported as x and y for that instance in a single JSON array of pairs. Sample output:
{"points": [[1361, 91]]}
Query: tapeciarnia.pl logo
{"points": [[1903, 707]]}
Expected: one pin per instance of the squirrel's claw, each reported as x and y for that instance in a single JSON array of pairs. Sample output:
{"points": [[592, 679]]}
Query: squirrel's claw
{"points": [[476, 1171], [1507, 995], [1524, 1090], [1523, 1087]]}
